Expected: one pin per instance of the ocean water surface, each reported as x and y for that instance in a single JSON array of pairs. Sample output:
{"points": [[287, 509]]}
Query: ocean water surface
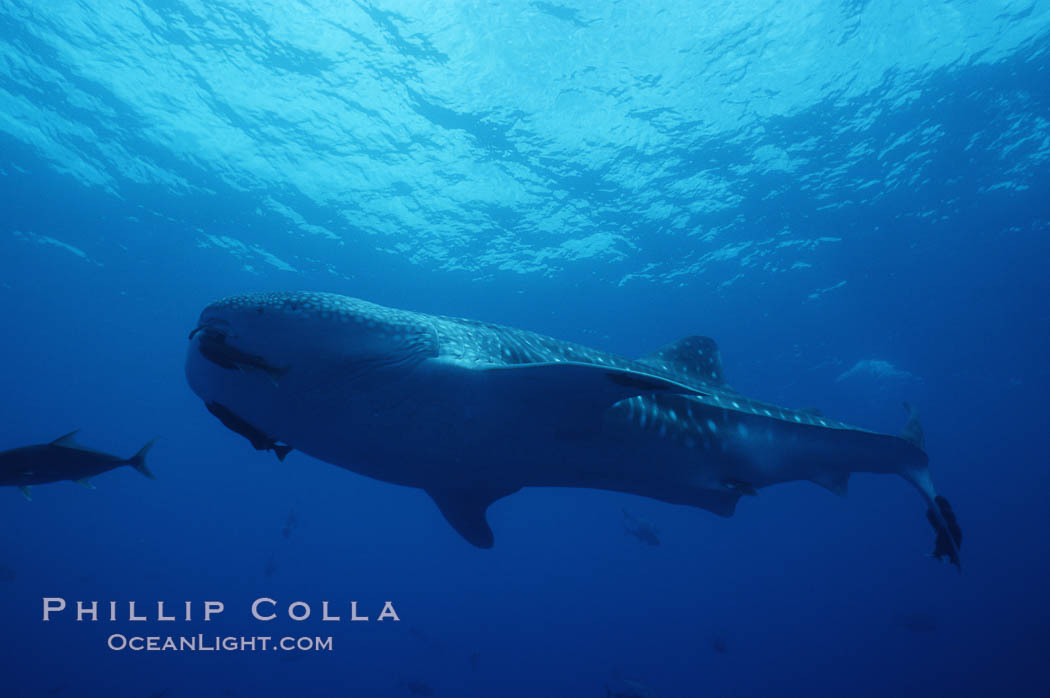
{"points": [[850, 197]]}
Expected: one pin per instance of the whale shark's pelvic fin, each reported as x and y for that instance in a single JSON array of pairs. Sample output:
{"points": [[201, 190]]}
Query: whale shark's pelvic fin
{"points": [[834, 482], [464, 509]]}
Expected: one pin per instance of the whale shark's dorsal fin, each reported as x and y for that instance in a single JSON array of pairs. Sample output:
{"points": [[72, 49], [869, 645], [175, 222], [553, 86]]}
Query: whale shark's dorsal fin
{"points": [[694, 358], [464, 509]]}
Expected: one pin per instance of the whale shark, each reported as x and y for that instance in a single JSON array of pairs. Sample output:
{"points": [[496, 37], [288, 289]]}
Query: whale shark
{"points": [[471, 412]]}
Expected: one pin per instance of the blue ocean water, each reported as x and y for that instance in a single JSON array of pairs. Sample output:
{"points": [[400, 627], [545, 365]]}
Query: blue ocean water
{"points": [[850, 197]]}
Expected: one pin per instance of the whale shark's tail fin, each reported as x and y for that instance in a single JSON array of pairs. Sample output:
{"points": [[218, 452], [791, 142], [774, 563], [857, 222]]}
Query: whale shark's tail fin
{"points": [[949, 535], [138, 461], [940, 515], [939, 512]]}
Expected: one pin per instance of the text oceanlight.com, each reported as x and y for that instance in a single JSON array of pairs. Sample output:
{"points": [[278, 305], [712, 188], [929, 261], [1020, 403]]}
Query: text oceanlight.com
{"points": [[215, 643]]}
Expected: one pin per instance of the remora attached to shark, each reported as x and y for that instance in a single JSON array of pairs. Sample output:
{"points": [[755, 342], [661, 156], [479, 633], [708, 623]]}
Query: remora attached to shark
{"points": [[471, 412]]}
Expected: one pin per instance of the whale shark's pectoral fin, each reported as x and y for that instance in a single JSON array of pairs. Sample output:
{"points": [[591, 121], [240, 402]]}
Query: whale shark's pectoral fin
{"points": [[24, 489], [570, 384], [464, 508], [85, 483], [836, 483]]}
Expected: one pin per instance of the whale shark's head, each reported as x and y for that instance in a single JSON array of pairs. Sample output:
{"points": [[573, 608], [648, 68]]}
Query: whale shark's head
{"points": [[247, 351]]}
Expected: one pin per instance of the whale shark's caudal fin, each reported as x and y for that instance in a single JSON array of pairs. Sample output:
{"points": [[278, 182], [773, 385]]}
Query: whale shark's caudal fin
{"points": [[949, 535], [464, 509], [939, 512]]}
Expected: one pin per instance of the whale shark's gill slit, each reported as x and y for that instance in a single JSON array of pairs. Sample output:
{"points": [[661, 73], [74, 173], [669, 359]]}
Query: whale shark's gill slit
{"points": [[399, 354], [376, 368]]}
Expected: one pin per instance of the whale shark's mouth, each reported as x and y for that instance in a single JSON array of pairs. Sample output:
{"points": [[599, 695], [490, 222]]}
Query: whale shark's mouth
{"points": [[204, 328]]}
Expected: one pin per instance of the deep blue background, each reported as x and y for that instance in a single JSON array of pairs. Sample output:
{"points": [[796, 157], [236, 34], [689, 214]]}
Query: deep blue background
{"points": [[946, 279]]}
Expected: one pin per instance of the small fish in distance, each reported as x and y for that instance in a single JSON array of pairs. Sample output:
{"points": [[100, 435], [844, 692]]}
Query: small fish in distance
{"points": [[62, 459], [417, 687], [290, 524], [640, 528]]}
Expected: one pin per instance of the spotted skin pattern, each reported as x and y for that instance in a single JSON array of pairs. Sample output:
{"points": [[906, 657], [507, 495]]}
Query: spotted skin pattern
{"points": [[707, 443], [693, 361]]}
